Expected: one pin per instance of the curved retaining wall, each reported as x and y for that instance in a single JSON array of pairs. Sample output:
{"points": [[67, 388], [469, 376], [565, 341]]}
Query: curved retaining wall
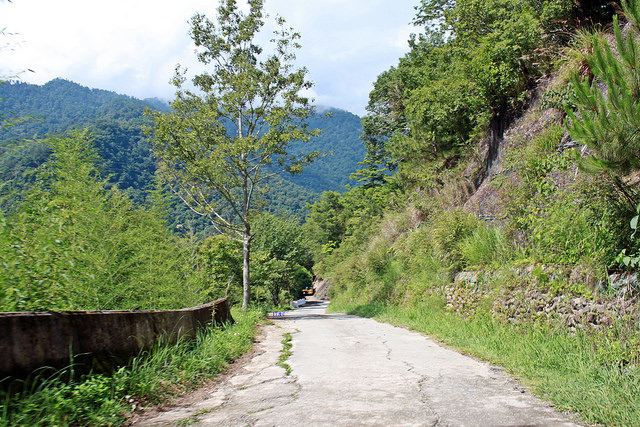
{"points": [[31, 340]]}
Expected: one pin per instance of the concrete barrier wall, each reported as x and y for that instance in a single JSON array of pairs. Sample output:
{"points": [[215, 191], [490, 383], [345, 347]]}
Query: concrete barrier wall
{"points": [[30, 340]]}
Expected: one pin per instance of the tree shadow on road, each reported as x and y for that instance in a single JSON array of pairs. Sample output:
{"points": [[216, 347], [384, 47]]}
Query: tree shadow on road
{"points": [[367, 310]]}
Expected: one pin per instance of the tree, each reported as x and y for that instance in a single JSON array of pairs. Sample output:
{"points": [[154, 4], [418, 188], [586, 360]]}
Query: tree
{"points": [[608, 124], [223, 258], [231, 130], [284, 258], [385, 116]]}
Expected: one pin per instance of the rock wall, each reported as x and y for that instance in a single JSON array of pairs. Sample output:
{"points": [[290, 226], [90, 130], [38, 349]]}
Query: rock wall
{"points": [[540, 303]]}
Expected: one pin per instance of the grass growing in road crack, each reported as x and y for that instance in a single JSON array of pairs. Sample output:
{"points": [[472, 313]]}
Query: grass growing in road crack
{"points": [[195, 418], [260, 410], [285, 353]]}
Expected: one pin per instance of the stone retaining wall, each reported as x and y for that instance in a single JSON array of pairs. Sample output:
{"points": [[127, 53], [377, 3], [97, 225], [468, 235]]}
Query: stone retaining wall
{"points": [[537, 303]]}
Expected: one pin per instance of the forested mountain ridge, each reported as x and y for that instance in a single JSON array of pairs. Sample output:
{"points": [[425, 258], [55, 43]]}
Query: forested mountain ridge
{"points": [[116, 123], [342, 148], [60, 105]]}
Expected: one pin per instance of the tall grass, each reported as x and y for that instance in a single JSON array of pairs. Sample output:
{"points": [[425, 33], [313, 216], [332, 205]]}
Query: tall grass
{"points": [[162, 372], [563, 368], [486, 245]]}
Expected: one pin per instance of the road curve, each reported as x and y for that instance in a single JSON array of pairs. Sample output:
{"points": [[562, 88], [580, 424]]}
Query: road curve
{"points": [[347, 371]]}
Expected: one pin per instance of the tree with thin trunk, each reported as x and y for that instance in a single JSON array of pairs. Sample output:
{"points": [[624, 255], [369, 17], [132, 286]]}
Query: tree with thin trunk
{"points": [[231, 128]]}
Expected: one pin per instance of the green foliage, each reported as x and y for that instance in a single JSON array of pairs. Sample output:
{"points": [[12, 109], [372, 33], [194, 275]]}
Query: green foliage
{"points": [[116, 123], [342, 148], [74, 244], [282, 259], [564, 230], [558, 98], [608, 124], [223, 266], [475, 61], [326, 222], [486, 246], [338, 219], [535, 163], [61, 105], [448, 230], [555, 220], [632, 260], [281, 262], [285, 353], [385, 117], [550, 217], [160, 373], [441, 114], [259, 97]]}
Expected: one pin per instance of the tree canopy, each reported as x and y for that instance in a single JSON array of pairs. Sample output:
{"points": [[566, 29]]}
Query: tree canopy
{"points": [[473, 60], [231, 127], [607, 121]]}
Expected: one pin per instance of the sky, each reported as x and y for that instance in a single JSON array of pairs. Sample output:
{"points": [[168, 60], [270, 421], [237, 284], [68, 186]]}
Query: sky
{"points": [[132, 46]]}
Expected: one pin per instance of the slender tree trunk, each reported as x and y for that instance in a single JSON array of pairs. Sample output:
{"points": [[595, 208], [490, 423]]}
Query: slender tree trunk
{"points": [[246, 254], [246, 239]]}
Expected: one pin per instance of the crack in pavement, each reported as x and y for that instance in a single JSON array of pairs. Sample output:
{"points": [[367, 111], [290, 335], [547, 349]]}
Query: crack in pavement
{"points": [[348, 370]]}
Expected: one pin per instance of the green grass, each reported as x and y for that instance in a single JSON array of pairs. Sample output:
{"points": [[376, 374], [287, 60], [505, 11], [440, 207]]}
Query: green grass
{"points": [[285, 353], [151, 378], [562, 368]]}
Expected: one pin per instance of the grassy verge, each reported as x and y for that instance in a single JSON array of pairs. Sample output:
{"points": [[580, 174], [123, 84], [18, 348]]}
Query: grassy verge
{"points": [[562, 368], [97, 399]]}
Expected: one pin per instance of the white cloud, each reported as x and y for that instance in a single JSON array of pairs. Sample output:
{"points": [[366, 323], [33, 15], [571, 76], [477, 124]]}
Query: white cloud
{"points": [[132, 46]]}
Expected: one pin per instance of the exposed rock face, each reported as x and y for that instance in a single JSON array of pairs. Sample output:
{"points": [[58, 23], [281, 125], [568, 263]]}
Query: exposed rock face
{"points": [[321, 287], [506, 131]]}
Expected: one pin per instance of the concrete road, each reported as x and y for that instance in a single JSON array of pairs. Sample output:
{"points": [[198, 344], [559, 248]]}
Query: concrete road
{"points": [[349, 371]]}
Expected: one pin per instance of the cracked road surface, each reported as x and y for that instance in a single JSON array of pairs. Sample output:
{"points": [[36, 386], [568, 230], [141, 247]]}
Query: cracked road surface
{"points": [[347, 370]]}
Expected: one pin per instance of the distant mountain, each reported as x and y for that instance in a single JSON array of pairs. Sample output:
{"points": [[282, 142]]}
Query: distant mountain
{"points": [[340, 143], [116, 122], [60, 105]]}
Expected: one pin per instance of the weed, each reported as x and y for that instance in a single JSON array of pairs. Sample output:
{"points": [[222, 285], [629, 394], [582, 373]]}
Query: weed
{"points": [[285, 353], [187, 421], [205, 411], [260, 410], [486, 245], [448, 229], [195, 418]]}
